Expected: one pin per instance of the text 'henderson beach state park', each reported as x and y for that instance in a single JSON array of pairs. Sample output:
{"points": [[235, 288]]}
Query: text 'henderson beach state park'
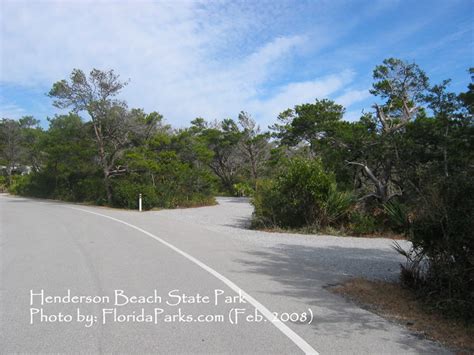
{"points": [[120, 298]]}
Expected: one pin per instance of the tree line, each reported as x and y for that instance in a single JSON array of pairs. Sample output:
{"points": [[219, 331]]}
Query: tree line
{"points": [[405, 166]]}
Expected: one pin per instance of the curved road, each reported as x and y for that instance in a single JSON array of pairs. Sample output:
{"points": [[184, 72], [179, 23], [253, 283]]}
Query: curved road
{"points": [[210, 285]]}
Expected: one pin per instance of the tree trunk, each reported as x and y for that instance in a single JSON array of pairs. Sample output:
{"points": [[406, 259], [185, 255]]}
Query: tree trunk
{"points": [[108, 189], [254, 172], [381, 186], [9, 171], [103, 162]]}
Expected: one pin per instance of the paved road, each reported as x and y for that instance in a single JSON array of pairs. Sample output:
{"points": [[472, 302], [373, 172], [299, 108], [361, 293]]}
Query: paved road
{"points": [[48, 248]]}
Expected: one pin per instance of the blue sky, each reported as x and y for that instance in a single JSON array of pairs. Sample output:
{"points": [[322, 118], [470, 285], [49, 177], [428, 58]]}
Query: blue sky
{"points": [[215, 58]]}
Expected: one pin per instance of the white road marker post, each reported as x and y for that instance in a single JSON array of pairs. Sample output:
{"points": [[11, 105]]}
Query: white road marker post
{"points": [[139, 202]]}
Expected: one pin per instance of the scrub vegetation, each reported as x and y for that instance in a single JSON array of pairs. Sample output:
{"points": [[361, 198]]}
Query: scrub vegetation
{"points": [[404, 167], [398, 304]]}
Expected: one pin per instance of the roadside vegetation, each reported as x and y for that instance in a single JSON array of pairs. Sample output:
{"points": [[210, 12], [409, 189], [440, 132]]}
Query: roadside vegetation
{"points": [[400, 305], [404, 167]]}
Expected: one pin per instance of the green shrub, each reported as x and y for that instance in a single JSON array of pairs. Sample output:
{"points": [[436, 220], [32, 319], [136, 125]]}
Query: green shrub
{"points": [[442, 231], [174, 185], [19, 184], [243, 189], [126, 195], [335, 206], [90, 189], [34, 184], [363, 223], [397, 214], [182, 186], [3, 183], [265, 200], [304, 194]]}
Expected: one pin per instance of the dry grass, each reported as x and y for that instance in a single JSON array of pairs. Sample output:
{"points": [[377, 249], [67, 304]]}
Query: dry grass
{"points": [[391, 301]]}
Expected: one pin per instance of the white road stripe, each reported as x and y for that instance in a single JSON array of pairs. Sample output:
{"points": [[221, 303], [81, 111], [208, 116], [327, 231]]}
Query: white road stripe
{"points": [[299, 341]]}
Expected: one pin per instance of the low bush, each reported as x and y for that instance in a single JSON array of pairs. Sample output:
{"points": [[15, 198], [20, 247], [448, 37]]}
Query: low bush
{"points": [[172, 184], [243, 189], [35, 185], [3, 183], [302, 195], [363, 223], [126, 194], [397, 215], [442, 233]]}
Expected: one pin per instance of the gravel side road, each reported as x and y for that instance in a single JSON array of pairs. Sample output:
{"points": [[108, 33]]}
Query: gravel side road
{"points": [[56, 247], [339, 257]]}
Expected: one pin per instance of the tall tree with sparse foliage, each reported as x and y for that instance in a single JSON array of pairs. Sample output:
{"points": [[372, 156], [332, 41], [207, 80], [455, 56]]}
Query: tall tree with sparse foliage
{"points": [[113, 124]]}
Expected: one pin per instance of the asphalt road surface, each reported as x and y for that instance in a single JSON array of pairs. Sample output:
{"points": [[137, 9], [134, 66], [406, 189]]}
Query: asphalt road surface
{"points": [[81, 279]]}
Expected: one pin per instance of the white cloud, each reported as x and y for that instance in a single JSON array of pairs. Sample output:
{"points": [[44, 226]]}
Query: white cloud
{"points": [[8, 110], [350, 97], [352, 115], [299, 93], [182, 59]]}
